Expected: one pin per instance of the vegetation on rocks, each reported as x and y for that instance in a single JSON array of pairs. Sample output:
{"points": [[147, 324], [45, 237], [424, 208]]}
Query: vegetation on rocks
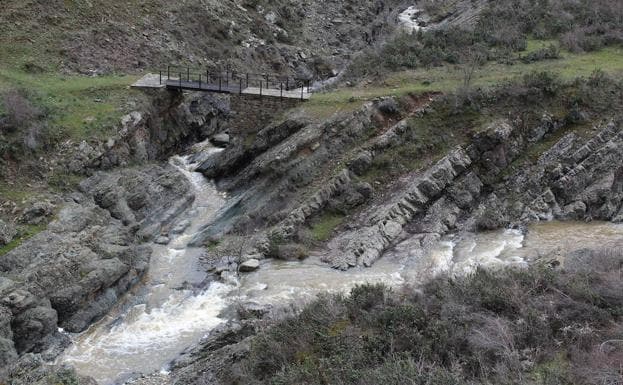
{"points": [[454, 118], [535, 326], [42, 110], [25, 233], [321, 230]]}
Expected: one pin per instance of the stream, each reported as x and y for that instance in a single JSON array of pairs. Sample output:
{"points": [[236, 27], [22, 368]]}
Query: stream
{"points": [[177, 305]]}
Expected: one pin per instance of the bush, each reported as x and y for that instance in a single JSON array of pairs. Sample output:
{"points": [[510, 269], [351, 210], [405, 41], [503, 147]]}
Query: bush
{"points": [[548, 53], [500, 327], [545, 82], [20, 113]]}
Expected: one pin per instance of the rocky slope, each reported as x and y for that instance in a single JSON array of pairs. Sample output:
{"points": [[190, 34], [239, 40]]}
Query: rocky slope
{"points": [[574, 180], [96, 246], [306, 38]]}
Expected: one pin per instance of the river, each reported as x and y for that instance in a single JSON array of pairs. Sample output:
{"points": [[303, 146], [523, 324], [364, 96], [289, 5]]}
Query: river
{"points": [[177, 305]]}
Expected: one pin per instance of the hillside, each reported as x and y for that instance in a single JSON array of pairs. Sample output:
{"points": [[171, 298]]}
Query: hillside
{"points": [[304, 37]]}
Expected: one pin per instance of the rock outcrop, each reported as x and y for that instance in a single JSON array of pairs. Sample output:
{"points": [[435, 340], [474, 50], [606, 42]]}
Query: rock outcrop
{"points": [[170, 123], [576, 179], [365, 245], [71, 274], [7, 232], [474, 188]]}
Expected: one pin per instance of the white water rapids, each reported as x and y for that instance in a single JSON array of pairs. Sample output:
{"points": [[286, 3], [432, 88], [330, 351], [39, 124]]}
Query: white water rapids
{"points": [[173, 309], [410, 20], [168, 313]]}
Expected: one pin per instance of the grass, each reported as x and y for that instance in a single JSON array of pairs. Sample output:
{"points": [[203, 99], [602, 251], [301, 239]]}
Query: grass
{"points": [[323, 228], [15, 193], [320, 107], [77, 107], [534, 45], [27, 232], [448, 78], [65, 182]]}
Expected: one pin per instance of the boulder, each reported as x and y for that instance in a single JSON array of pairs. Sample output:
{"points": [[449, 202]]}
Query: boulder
{"points": [[180, 227], [31, 326], [292, 252], [249, 266], [162, 240], [361, 163], [221, 140], [37, 213]]}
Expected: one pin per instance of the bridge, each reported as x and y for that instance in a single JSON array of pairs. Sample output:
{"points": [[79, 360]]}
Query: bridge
{"points": [[227, 82]]}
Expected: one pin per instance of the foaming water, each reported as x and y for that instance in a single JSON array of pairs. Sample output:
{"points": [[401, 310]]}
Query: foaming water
{"points": [[171, 311], [409, 19], [279, 283], [461, 254]]}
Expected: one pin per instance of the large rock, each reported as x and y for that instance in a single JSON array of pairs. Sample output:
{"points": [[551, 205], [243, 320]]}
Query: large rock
{"points": [[7, 232], [37, 213], [32, 325], [249, 265], [220, 140]]}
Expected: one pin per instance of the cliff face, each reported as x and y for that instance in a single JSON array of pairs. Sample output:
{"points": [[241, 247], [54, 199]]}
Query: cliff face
{"points": [[71, 274]]}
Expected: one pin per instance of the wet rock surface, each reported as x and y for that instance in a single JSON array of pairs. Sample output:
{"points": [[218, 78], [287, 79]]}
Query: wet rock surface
{"points": [[206, 363], [249, 265], [170, 123]]}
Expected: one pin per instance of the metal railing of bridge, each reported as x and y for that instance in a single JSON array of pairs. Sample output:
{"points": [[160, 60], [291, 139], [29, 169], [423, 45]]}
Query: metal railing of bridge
{"points": [[229, 81]]}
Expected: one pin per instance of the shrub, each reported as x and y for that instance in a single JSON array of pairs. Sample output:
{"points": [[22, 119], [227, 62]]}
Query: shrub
{"points": [[543, 81], [505, 327], [503, 27], [548, 53], [20, 113]]}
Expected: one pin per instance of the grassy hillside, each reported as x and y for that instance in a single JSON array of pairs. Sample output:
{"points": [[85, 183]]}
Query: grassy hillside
{"points": [[448, 78]]}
